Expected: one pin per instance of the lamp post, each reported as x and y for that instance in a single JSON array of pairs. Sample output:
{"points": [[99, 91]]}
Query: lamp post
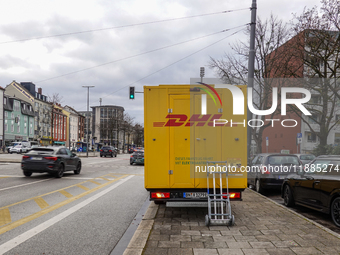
{"points": [[87, 119]]}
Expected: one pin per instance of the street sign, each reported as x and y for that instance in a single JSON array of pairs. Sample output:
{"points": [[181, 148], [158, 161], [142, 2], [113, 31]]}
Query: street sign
{"points": [[299, 138]]}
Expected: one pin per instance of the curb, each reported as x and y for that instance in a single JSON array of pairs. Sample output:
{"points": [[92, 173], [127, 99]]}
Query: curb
{"points": [[300, 215], [138, 241]]}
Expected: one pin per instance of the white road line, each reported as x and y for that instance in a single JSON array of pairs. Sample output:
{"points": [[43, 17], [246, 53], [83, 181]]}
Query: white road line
{"points": [[25, 184], [36, 230]]}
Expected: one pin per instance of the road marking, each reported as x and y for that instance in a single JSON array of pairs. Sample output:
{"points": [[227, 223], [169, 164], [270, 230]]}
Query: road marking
{"points": [[65, 193], [5, 217], [82, 187], [95, 182], [4, 177], [36, 230], [48, 193], [25, 184], [41, 202]]}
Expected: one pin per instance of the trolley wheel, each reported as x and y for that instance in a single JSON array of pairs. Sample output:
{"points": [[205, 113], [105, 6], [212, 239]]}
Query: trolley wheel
{"points": [[232, 220], [207, 220]]}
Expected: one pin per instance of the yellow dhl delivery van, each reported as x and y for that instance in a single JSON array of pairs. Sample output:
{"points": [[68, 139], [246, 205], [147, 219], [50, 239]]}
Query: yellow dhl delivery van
{"points": [[184, 127]]}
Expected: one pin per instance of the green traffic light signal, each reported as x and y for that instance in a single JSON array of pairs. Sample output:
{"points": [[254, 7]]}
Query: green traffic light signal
{"points": [[132, 92]]}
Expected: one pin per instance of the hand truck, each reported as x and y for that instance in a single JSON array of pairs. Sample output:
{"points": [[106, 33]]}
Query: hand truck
{"points": [[219, 208]]}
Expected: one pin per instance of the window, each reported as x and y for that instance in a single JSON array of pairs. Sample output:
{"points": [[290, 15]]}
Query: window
{"points": [[337, 138], [315, 99], [312, 119], [6, 126], [6, 115], [311, 137], [5, 100]]}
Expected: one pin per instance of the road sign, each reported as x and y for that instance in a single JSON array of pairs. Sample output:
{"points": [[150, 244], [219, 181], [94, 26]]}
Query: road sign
{"points": [[299, 138]]}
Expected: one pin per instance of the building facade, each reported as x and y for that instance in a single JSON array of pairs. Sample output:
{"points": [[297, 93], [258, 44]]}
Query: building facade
{"points": [[19, 120], [107, 125]]}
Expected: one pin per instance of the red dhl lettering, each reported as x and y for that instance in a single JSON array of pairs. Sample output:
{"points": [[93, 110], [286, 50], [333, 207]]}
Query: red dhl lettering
{"points": [[178, 120]]}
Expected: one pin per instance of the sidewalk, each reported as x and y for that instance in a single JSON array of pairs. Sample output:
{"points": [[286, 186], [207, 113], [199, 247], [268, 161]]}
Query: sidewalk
{"points": [[261, 227]]}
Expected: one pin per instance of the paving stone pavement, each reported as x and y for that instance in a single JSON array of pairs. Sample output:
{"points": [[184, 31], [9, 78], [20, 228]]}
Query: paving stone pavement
{"points": [[261, 227]]}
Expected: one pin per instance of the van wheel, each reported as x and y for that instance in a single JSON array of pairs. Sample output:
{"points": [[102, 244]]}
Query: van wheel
{"points": [[288, 198], [335, 211]]}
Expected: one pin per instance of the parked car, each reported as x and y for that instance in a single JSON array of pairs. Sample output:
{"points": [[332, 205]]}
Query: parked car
{"points": [[137, 156], [53, 160], [305, 158], [317, 186], [18, 149], [108, 151], [267, 171], [131, 150]]}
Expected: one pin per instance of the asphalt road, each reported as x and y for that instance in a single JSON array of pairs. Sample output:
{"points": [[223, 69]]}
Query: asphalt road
{"points": [[77, 214]]}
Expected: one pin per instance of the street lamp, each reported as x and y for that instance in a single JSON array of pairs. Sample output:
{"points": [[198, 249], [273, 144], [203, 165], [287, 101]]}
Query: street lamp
{"points": [[88, 123]]}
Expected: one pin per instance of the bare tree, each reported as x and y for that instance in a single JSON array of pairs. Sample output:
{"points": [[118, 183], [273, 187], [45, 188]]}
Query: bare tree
{"points": [[317, 51], [138, 134], [55, 98], [233, 67]]}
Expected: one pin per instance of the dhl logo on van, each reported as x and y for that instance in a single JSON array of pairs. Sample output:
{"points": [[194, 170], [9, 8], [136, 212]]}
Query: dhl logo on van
{"points": [[178, 120]]}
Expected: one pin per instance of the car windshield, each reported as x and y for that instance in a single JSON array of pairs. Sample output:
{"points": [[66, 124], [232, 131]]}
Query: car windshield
{"points": [[283, 160], [307, 157], [41, 151]]}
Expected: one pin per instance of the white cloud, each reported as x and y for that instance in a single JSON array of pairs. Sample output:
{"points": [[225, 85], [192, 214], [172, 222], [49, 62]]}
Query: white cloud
{"points": [[37, 60]]}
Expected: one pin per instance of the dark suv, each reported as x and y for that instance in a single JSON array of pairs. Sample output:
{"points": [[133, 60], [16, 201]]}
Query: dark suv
{"points": [[137, 156], [267, 171], [108, 151]]}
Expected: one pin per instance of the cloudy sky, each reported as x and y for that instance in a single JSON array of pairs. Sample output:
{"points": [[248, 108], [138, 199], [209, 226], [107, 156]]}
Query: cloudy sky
{"points": [[114, 44]]}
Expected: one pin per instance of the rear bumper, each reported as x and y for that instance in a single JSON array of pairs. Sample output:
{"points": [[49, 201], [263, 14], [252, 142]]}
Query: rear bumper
{"points": [[45, 168], [179, 195]]}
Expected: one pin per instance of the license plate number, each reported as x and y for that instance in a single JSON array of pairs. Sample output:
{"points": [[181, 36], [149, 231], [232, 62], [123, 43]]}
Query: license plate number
{"points": [[196, 195], [35, 158]]}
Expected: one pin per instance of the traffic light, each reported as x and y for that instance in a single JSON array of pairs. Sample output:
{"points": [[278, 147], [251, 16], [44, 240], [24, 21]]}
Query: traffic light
{"points": [[132, 93]]}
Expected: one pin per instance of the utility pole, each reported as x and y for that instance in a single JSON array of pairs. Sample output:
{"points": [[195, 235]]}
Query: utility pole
{"points": [[251, 63], [87, 119]]}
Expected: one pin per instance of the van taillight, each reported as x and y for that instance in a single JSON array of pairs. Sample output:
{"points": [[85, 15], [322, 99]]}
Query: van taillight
{"points": [[233, 195], [160, 194]]}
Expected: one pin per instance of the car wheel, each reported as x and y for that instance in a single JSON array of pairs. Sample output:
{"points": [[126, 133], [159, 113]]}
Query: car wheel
{"points": [[131, 163], [258, 187], [288, 198], [11, 152], [112, 155], [60, 171], [335, 211], [101, 155], [116, 155], [77, 171], [27, 173], [105, 156]]}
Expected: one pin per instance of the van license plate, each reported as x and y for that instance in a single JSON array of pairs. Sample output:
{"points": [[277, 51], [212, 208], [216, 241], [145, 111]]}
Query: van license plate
{"points": [[196, 194]]}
